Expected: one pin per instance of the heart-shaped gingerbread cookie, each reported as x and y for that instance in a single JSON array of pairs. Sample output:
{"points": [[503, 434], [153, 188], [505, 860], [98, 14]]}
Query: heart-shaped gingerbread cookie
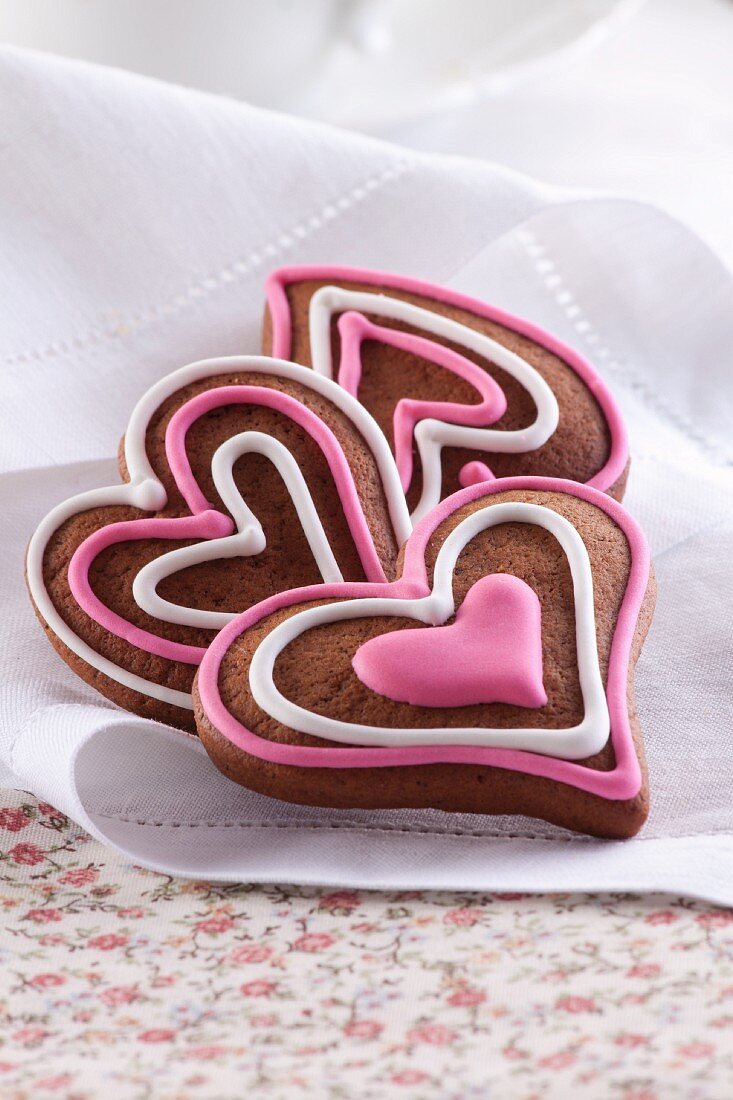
{"points": [[495, 675], [244, 477]]}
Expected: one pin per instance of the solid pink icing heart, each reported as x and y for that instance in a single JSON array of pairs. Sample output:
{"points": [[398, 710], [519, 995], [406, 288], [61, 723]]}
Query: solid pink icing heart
{"points": [[491, 653]]}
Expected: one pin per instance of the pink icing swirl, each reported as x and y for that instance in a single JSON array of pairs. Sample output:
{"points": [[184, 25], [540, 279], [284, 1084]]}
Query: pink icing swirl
{"points": [[355, 328]]}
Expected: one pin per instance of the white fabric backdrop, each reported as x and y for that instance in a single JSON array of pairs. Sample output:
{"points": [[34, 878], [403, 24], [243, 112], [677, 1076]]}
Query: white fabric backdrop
{"points": [[138, 222], [643, 104]]}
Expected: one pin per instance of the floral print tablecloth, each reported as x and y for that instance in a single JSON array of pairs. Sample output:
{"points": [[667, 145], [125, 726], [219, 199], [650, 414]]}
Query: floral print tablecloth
{"points": [[121, 982]]}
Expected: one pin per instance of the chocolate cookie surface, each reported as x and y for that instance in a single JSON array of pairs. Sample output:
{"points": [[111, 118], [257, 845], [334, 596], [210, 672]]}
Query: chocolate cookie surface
{"points": [[244, 477], [463, 391], [494, 676]]}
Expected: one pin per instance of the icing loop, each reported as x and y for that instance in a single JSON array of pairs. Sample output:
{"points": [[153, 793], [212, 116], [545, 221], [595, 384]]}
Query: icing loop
{"points": [[248, 540]]}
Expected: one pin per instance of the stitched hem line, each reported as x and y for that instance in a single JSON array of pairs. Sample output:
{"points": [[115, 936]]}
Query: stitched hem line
{"points": [[386, 830], [234, 272], [554, 282]]}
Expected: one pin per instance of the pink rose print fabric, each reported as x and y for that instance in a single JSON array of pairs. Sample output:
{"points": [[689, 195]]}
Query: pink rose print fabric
{"points": [[118, 978]]}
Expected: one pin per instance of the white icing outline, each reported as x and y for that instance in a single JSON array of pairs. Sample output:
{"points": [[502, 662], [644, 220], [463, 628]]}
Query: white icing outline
{"points": [[575, 743], [249, 538], [432, 435], [145, 491]]}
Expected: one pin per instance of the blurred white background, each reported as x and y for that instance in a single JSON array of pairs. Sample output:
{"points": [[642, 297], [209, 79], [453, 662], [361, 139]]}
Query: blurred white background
{"points": [[633, 97], [362, 63]]}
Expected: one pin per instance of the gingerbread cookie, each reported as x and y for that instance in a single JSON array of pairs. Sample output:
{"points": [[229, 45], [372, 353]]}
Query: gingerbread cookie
{"points": [[495, 676], [463, 391], [244, 477]]}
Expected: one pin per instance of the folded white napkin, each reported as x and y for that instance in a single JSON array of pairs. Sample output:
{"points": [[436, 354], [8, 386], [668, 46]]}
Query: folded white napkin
{"points": [[138, 222]]}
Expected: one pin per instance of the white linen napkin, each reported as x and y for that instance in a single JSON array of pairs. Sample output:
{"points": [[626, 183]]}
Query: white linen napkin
{"points": [[138, 222]]}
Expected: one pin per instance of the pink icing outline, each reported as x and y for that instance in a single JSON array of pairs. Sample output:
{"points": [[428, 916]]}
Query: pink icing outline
{"points": [[355, 328], [329, 445], [208, 524], [622, 782], [205, 522], [279, 307]]}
